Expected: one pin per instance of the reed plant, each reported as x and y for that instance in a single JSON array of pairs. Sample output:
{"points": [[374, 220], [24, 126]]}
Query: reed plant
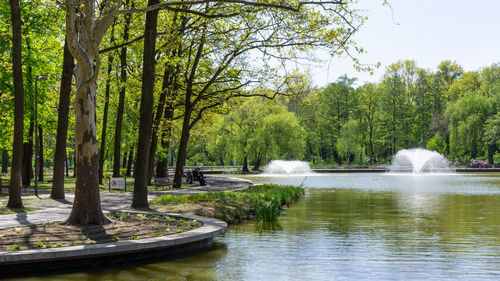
{"points": [[264, 202]]}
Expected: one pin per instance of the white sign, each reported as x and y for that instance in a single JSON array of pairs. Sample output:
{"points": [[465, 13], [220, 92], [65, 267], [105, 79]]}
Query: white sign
{"points": [[117, 183]]}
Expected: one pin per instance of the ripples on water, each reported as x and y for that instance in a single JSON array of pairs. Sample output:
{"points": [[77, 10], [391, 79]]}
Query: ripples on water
{"points": [[354, 227]]}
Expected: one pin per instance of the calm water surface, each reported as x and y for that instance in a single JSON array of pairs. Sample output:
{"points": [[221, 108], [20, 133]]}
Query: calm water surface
{"points": [[353, 227]]}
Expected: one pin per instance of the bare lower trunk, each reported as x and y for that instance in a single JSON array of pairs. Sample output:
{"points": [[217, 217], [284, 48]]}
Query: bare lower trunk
{"points": [[40, 154], [157, 121], [140, 198], [181, 153], [129, 163], [5, 161], [28, 156], [245, 169], [121, 100], [102, 148], [17, 150], [87, 204], [492, 148]]}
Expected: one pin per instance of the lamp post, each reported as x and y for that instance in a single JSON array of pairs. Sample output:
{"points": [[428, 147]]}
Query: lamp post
{"points": [[37, 78]]}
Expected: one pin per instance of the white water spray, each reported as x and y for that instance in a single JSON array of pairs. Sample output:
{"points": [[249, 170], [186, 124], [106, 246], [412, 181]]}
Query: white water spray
{"points": [[418, 161], [283, 167]]}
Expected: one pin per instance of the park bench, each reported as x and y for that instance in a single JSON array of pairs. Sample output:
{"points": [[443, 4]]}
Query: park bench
{"points": [[117, 184], [161, 182]]}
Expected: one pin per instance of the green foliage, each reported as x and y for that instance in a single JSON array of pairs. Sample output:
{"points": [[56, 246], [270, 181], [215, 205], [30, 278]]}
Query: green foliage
{"points": [[437, 144], [258, 131], [265, 201], [467, 123], [15, 247]]}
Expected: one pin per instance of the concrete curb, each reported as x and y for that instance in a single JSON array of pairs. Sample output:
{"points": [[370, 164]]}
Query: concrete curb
{"points": [[9, 261]]}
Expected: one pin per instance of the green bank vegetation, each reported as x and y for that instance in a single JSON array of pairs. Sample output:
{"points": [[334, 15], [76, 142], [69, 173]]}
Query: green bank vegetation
{"points": [[263, 202]]}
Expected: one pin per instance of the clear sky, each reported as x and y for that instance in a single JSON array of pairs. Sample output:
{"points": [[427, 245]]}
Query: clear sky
{"points": [[427, 31]]}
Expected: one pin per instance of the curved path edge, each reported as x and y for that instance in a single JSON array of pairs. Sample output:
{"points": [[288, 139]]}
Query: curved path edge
{"points": [[65, 257]]}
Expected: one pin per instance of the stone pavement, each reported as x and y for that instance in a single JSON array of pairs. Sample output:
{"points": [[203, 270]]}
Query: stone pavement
{"points": [[57, 210]]}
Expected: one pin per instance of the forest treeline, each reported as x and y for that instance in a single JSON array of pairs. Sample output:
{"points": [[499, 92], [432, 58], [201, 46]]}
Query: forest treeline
{"points": [[447, 110]]}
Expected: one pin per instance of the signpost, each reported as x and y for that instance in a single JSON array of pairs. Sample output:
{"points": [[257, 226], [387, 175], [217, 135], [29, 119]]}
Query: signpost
{"points": [[117, 184]]}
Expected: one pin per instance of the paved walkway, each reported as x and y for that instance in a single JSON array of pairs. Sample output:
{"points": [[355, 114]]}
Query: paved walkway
{"points": [[57, 210]]}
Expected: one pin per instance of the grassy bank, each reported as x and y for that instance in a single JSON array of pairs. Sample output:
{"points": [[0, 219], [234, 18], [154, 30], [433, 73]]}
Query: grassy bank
{"points": [[263, 202]]}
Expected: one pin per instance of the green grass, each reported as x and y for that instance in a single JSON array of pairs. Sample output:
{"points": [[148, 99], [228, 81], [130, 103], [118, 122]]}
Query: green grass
{"points": [[266, 202]]}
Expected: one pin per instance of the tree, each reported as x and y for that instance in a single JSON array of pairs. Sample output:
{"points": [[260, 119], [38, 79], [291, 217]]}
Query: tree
{"points": [[121, 101], [17, 151], [62, 125], [336, 104], [467, 121], [257, 131], [349, 141], [437, 144], [140, 198], [84, 33], [369, 102]]}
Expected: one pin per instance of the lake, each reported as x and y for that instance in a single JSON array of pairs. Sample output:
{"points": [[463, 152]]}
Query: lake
{"points": [[352, 227]]}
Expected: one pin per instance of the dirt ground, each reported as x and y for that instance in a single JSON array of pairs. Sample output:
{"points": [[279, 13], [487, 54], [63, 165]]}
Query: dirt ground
{"points": [[124, 227]]}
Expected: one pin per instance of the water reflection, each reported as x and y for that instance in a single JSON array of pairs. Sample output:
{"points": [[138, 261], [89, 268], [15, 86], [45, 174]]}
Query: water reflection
{"points": [[356, 227]]}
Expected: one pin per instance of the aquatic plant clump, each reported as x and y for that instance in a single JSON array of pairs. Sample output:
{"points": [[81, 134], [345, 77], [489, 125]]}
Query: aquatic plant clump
{"points": [[263, 202]]}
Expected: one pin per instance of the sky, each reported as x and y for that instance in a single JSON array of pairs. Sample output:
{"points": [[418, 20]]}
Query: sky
{"points": [[427, 31]]}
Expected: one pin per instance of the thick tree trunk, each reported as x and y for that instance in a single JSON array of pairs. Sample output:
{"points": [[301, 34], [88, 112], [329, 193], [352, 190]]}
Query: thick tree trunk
{"points": [[40, 154], [87, 204], [5, 161], [244, 169], [256, 165], [121, 99], [140, 198], [102, 149], [17, 150]]}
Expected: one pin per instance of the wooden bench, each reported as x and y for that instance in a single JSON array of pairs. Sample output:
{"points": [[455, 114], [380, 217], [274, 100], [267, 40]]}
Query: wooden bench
{"points": [[161, 182]]}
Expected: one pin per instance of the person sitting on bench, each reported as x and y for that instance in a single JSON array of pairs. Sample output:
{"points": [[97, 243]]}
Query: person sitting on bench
{"points": [[198, 176]]}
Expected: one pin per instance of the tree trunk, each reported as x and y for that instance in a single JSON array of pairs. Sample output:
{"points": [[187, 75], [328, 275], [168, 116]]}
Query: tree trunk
{"points": [[129, 163], [124, 163], [161, 168], [157, 121], [87, 204], [244, 169], [102, 149], [27, 173], [121, 99], [5, 161], [17, 150], [181, 154], [140, 198], [40, 154], [186, 123], [256, 165], [25, 180], [492, 149]]}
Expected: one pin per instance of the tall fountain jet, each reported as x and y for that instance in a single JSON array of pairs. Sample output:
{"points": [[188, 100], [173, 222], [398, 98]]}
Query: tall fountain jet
{"points": [[418, 161], [284, 167]]}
